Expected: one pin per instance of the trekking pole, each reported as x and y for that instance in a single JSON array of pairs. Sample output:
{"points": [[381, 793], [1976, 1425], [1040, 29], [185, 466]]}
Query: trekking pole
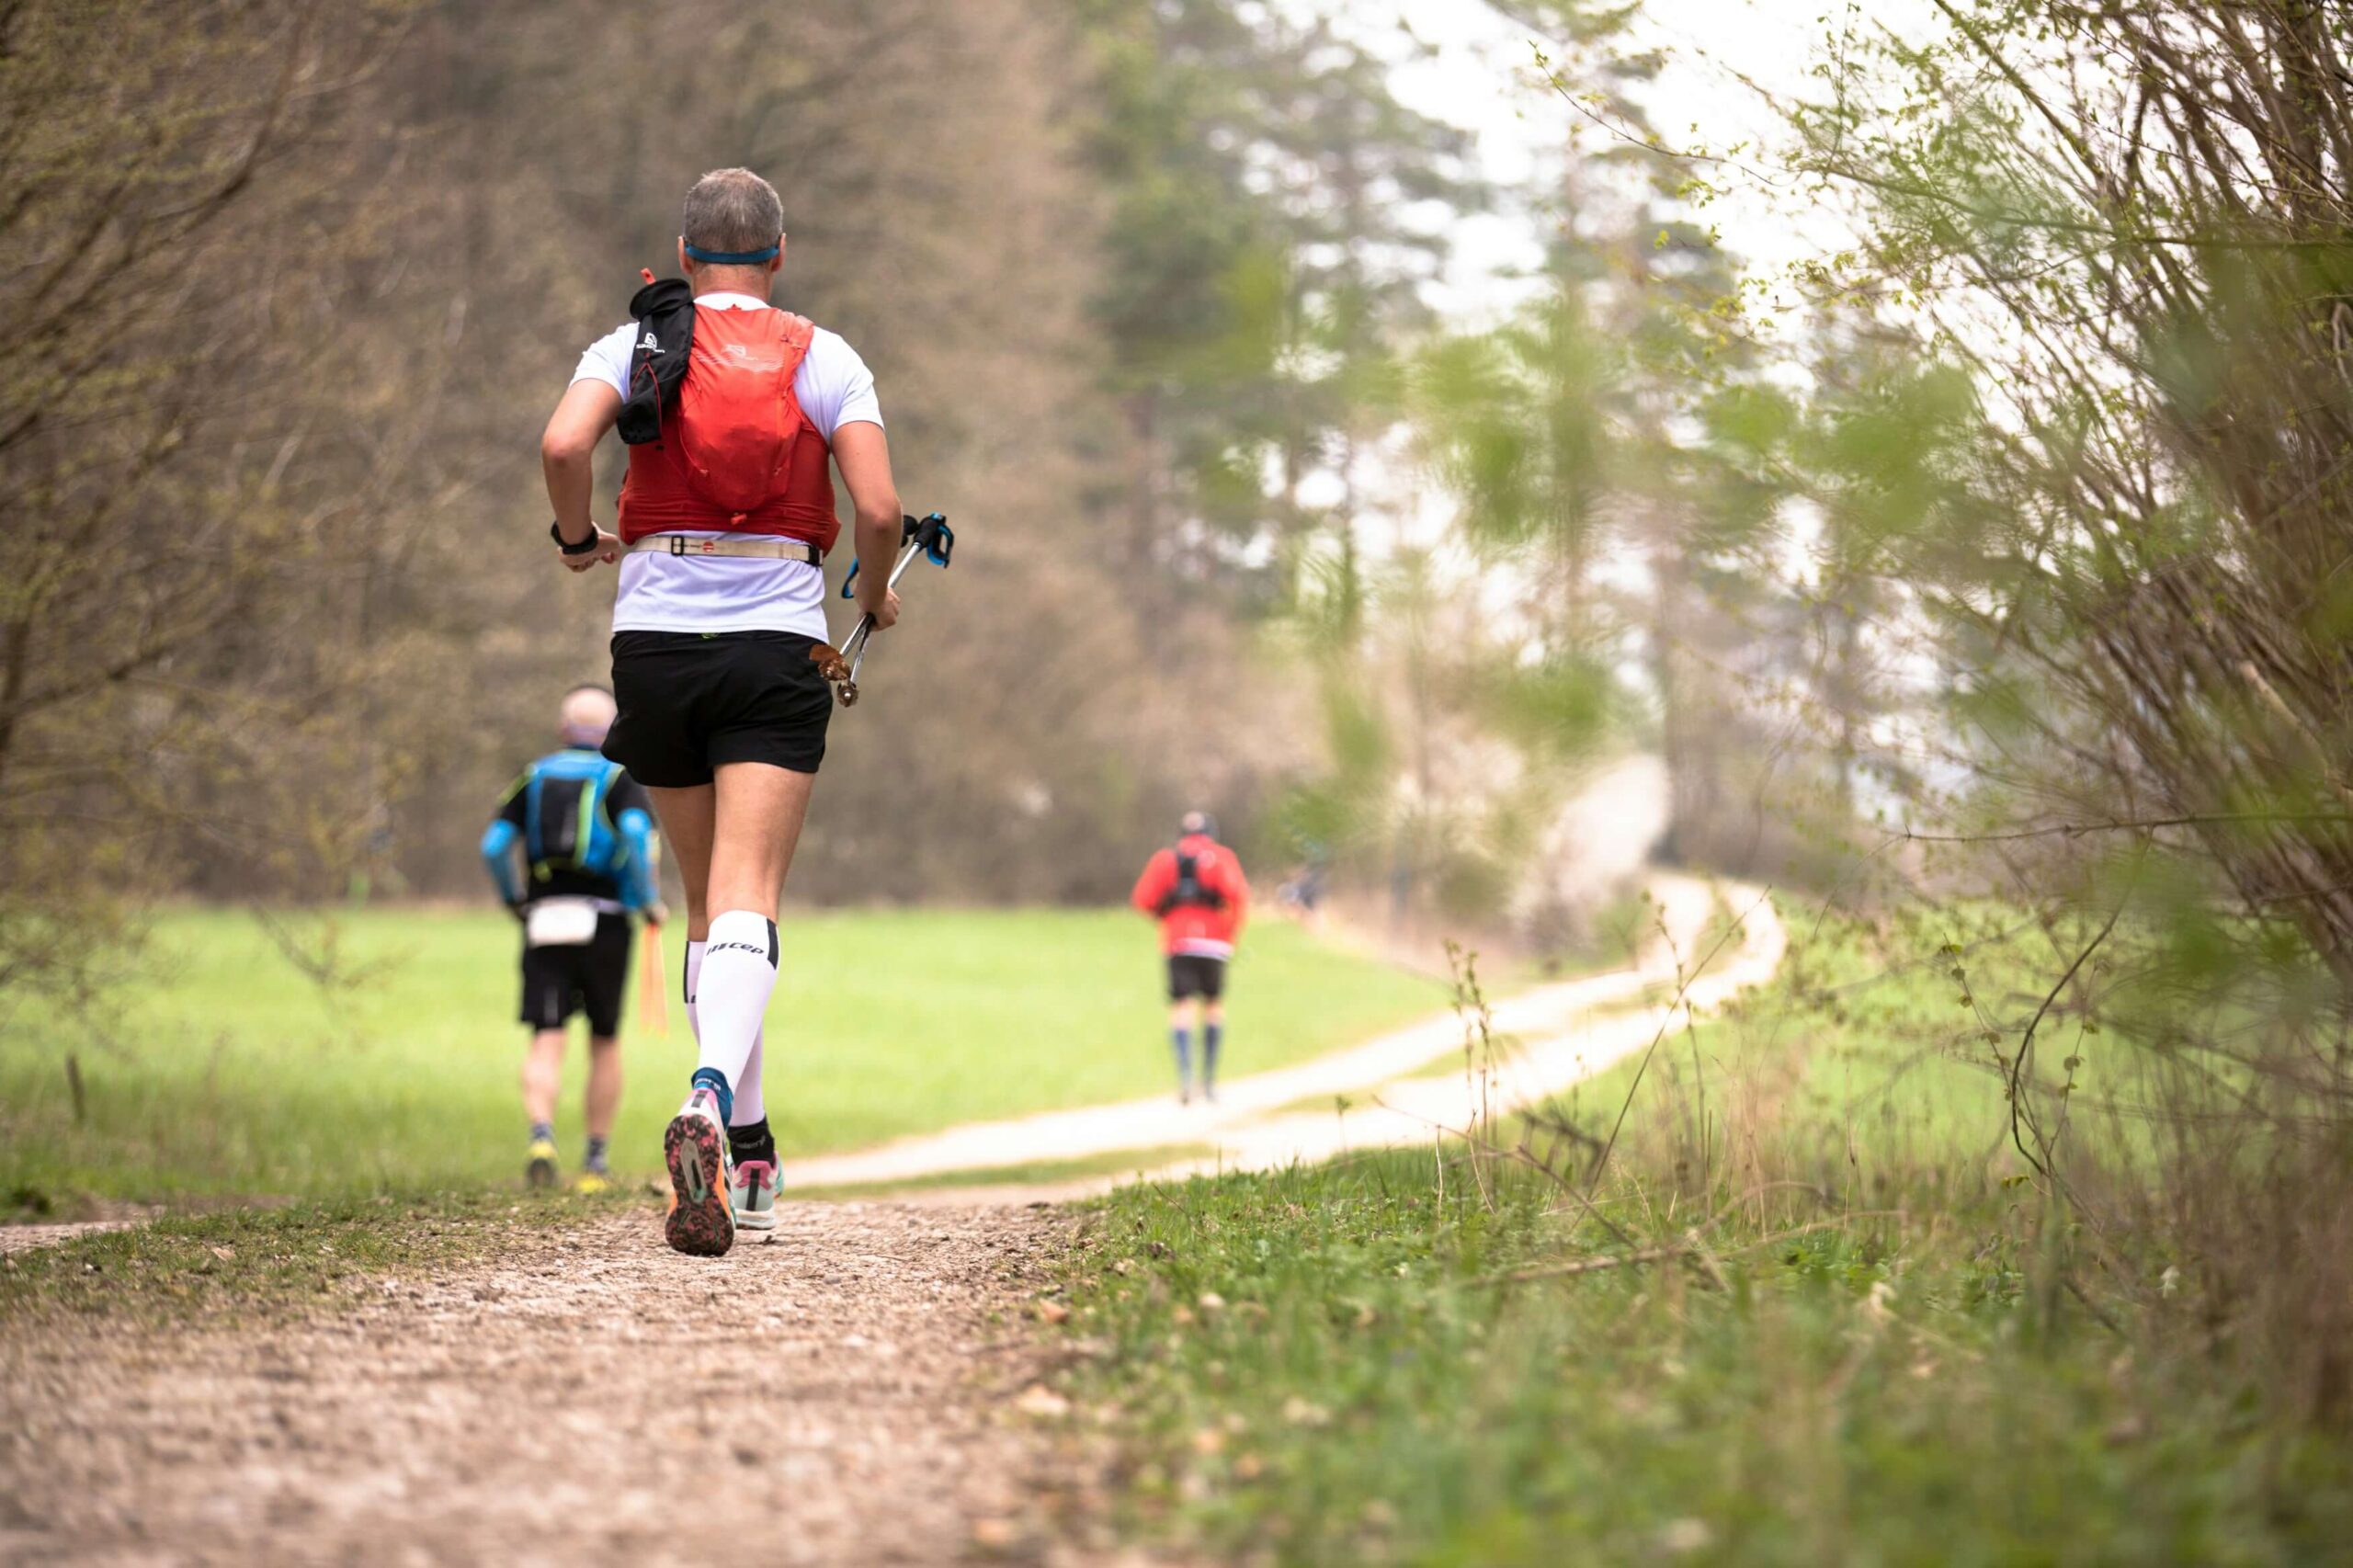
{"points": [[929, 537], [856, 650]]}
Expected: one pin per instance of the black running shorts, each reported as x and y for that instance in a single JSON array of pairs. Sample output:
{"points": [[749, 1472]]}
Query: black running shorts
{"points": [[583, 977], [691, 700], [1190, 975]]}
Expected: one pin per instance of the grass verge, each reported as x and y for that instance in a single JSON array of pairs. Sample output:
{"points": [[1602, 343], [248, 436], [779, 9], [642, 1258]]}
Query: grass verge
{"points": [[1814, 1308], [1336, 1364], [238, 1267]]}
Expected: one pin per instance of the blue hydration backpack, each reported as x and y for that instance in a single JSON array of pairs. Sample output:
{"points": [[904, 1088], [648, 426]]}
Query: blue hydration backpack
{"points": [[566, 824]]}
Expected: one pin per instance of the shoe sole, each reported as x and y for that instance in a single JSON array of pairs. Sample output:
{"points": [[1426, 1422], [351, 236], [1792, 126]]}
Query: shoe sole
{"points": [[539, 1173], [701, 1221]]}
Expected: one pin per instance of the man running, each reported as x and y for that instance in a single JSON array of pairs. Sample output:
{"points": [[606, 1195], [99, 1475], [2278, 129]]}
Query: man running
{"points": [[587, 841], [732, 409], [1198, 894]]}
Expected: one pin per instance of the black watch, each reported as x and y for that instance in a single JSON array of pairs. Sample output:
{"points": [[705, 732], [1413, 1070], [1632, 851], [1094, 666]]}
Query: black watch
{"points": [[556, 532]]}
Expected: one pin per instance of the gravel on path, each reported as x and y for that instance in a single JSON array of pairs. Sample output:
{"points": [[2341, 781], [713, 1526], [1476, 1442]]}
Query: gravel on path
{"points": [[850, 1393]]}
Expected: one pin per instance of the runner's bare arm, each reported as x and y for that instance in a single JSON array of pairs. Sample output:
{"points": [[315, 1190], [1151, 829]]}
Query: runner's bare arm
{"points": [[863, 455], [566, 457]]}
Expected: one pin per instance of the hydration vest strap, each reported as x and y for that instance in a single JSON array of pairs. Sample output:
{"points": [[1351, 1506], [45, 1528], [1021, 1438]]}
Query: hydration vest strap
{"points": [[763, 546], [592, 792], [1188, 891], [731, 257]]}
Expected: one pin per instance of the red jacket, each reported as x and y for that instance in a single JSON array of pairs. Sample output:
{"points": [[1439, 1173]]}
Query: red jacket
{"points": [[1199, 930]]}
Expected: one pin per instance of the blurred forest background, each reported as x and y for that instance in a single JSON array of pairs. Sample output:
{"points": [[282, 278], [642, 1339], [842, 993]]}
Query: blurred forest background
{"points": [[1143, 287], [2019, 507]]}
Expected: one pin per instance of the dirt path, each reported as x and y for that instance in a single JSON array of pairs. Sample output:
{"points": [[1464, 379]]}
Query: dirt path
{"points": [[1565, 1033], [842, 1395], [845, 1394], [1413, 1110]]}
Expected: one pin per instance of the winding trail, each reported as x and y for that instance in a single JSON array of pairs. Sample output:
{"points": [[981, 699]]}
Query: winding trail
{"points": [[1563, 1033], [859, 1390]]}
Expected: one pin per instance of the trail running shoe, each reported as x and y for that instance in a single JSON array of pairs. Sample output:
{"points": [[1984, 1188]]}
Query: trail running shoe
{"points": [[587, 1184], [540, 1172], [702, 1219], [753, 1191]]}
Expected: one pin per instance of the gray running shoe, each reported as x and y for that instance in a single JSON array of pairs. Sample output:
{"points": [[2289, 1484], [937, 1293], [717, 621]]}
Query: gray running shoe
{"points": [[754, 1193]]}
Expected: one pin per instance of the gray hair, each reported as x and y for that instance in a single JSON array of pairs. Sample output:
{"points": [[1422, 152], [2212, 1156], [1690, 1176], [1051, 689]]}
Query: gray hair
{"points": [[732, 211], [587, 715]]}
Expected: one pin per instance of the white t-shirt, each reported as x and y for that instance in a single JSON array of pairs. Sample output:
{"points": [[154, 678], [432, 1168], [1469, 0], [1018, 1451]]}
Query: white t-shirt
{"points": [[724, 592]]}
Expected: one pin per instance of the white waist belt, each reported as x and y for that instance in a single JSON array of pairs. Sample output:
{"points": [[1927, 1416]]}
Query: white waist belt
{"points": [[762, 547]]}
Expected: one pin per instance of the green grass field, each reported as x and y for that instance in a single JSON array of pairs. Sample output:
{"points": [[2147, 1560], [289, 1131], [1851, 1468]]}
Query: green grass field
{"points": [[1862, 1044], [1875, 1352], [224, 1069]]}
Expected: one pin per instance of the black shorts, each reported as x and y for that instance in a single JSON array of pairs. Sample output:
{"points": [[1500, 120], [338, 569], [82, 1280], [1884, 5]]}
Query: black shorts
{"points": [[1190, 975], [691, 700], [583, 977]]}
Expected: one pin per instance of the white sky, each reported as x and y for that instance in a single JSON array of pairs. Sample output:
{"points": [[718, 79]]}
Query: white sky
{"points": [[1722, 58], [1723, 63], [1476, 70]]}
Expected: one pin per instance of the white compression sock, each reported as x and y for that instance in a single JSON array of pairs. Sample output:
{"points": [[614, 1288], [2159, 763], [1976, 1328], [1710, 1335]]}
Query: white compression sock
{"points": [[731, 993], [694, 976], [751, 1104]]}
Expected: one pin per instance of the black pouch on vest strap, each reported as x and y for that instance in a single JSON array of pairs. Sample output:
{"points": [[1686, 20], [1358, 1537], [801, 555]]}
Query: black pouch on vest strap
{"points": [[664, 313]]}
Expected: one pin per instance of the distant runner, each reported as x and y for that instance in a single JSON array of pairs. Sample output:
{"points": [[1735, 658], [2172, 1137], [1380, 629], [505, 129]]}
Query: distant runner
{"points": [[588, 859], [732, 410], [1302, 895], [1198, 894]]}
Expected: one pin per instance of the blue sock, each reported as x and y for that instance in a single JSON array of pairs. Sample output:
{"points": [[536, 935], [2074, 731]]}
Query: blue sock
{"points": [[1183, 1038], [543, 1131], [711, 1078], [1212, 1036]]}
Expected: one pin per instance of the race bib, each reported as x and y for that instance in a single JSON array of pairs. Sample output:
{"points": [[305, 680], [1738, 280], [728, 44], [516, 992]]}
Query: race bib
{"points": [[559, 923]]}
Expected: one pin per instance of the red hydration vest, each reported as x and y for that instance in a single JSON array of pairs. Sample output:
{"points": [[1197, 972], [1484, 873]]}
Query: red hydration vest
{"points": [[737, 454]]}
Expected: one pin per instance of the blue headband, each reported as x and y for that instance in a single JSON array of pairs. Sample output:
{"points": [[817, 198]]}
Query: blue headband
{"points": [[731, 257]]}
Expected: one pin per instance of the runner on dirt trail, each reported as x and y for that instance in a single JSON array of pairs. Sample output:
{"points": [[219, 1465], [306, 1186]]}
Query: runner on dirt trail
{"points": [[732, 409], [588, 847], [1197, 891]]}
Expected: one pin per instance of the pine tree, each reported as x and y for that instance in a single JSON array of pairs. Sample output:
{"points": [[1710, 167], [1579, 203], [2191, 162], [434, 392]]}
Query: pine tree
{"points": [[1265, 251], [1607, 423]]}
